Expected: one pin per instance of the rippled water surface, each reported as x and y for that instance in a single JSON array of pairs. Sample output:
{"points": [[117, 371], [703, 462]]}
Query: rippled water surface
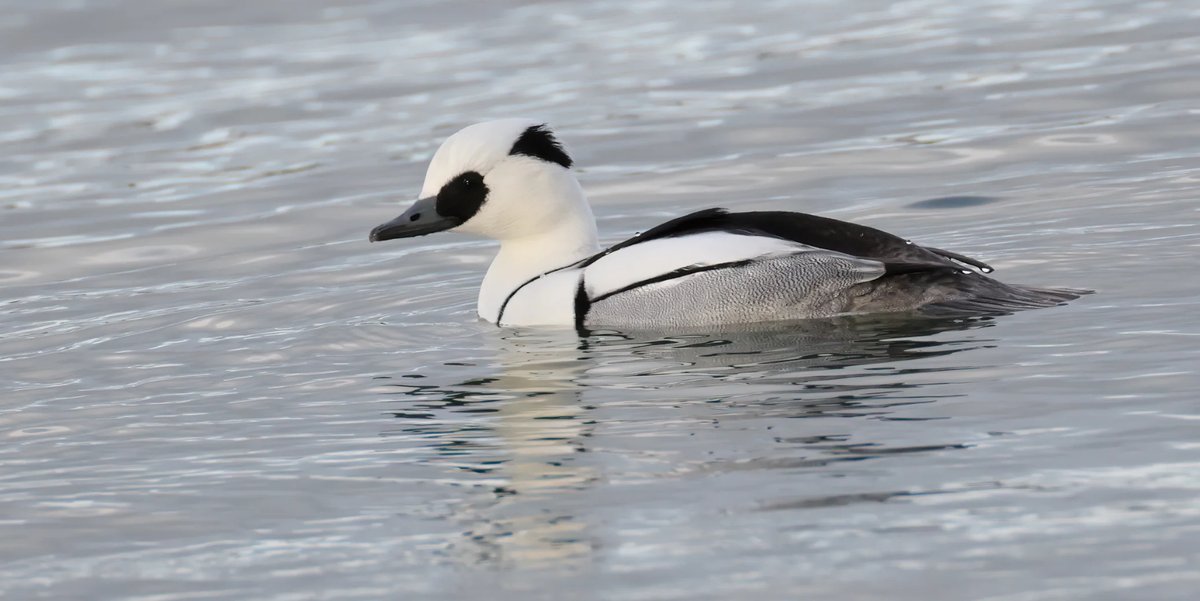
{"points": [[215, 388]]}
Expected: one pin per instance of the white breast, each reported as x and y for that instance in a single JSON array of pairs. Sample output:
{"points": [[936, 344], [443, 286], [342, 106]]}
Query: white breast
{"points": [[548, 300]]}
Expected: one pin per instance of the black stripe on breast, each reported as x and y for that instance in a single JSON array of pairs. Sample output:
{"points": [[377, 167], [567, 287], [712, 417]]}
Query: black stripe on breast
{"points": [[504, 305], [583, 304]]}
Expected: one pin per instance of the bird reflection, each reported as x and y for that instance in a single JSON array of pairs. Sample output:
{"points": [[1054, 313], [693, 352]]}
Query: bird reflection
{"points": [[531, 448], [818, 343]]}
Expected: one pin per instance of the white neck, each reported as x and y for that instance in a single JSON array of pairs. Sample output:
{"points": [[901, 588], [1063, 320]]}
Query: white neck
{"points": [[522, 259]]}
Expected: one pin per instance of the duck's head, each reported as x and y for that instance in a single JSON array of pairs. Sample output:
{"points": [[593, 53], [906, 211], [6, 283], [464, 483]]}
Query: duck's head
{"points": [[504, 179]]}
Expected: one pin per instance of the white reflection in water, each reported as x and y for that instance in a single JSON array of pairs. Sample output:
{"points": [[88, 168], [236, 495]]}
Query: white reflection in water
{"points": [[532, 430]]}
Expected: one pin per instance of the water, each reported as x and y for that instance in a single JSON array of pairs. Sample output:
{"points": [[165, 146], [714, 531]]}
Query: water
{"points": [[214, 388]]}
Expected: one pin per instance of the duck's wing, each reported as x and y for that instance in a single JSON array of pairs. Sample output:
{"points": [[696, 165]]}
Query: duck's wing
{"points": [[715, 239], [711, 277], [663, 258], [810, 230]]}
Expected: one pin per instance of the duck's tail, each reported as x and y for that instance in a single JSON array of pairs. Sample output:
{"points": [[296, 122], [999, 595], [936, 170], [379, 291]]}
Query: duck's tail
{"points": [[998, 297]]}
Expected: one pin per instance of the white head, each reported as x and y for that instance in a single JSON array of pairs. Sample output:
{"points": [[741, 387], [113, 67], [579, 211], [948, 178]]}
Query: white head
{"points": [[508, 180]]}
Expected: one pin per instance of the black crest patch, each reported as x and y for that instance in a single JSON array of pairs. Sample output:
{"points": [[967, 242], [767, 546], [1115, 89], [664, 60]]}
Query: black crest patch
{"points": [[539, 142]]}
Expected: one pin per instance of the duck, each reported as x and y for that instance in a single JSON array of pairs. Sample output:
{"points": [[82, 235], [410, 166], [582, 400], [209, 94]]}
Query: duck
{"points": [[511, 180]]}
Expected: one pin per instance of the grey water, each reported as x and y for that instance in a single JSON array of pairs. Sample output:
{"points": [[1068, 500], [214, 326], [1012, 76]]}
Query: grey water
{"points": [[213, 387]]}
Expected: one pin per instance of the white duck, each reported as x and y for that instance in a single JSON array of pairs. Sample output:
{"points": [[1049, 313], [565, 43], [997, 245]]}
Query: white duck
{"points": [[510, 180]]}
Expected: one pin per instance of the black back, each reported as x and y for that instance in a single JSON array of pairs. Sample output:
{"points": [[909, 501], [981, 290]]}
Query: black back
{"points": [[821, 232]]}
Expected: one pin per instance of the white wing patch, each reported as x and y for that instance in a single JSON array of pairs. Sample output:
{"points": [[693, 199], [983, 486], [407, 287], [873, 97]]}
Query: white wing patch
{"points": [[653, 258]]}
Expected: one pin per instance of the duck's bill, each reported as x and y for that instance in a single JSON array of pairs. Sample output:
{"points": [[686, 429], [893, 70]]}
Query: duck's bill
{"points": [[420, 219]]}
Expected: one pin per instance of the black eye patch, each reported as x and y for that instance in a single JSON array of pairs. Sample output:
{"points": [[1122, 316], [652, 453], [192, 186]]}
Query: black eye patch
{"points": [[462, 196], [539, 142]]}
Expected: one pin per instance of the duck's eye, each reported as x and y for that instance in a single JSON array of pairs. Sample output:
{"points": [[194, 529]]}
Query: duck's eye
{"points": [[462, 196]]}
